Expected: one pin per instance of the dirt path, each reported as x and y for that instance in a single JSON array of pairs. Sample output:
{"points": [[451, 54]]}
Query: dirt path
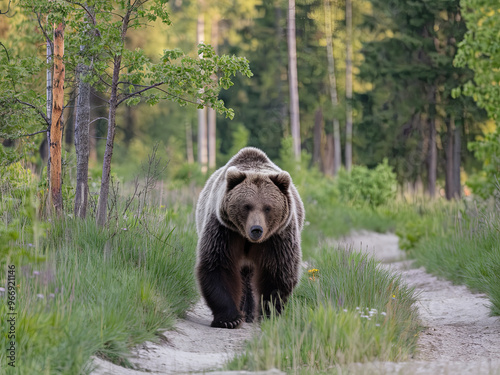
{"points": [[460, 337]]}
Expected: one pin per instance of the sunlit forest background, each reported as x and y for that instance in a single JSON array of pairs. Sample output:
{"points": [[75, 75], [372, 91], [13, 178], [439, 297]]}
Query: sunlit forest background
{"points": [[405, 78]]}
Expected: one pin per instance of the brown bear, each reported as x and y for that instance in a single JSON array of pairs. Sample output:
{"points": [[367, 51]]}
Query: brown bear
{"points": [[249, 218]]}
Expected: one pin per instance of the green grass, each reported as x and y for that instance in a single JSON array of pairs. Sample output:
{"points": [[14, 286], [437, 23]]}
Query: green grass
{"points": [[351, 311], [84, 290], [468, 253]]}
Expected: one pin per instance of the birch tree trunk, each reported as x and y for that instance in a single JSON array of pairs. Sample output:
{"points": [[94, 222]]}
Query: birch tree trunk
{"points": [[348, 86], [293, 81], [337, 158], [55, 140], [212, 114], [202, 113]]}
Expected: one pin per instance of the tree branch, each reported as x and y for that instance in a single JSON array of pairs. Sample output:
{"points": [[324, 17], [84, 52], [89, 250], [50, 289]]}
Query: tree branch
{"points": [[35, 133], [5, 48], [139, 92], [47, 38], [8, 9], [45, 118]]}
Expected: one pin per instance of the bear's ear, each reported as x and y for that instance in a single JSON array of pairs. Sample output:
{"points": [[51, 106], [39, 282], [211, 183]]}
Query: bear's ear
{"points": [[282, 180], [234, 177]]}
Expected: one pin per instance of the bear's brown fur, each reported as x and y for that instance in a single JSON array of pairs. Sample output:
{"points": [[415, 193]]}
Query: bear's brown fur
{"points": [[249, 219]]}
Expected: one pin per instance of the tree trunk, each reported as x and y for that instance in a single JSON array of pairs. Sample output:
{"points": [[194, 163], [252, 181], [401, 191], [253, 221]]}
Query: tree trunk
{"points": [[108, 153], [318, 130], [69, 125], [189, 143], [348, 86], [328, 158], [202, 113], [337, 158], [449, 178], [457, 185], [432, 168], [82, 142], [56, 125], [293, 81], [212, 114], [49, 101]]}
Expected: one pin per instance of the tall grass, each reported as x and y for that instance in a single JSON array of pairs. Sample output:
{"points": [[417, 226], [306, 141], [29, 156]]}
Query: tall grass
{"points": [[468, 252], [84, 290], [350, 310]]}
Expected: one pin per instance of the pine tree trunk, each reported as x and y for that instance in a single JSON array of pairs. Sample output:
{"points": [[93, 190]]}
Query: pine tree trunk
{"points": [[56, 125], [457, 185], [212, 114], [318, 130], [337, 158], [202, 113], [102, 204], [348, 86], [449, 178], [293, 81], [82, 142]]}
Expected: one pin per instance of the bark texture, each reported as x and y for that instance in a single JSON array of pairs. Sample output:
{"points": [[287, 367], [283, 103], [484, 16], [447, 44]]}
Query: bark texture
{"points": [[56, 125], [348, 86]]}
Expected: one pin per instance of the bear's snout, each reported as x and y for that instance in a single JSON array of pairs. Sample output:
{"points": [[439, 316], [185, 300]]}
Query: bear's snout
{"points": [[256, 232]]}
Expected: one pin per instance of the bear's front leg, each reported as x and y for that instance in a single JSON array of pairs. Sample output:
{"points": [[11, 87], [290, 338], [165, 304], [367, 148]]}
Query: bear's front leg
{"points": [[218, 277], [278, 273]]}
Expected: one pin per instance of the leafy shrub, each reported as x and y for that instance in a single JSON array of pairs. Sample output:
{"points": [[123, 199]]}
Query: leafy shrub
{"points": [[362, 186]]}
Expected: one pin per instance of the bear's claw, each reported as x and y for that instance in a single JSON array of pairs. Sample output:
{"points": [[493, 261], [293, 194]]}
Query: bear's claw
{"points": [[225, 324]]}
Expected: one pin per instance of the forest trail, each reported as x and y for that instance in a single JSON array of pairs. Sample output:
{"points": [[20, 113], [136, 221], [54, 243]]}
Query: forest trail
{"points": [[459, 336]]}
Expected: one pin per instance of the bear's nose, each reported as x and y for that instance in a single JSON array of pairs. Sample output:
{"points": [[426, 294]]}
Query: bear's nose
{"points": [[256, 232]]}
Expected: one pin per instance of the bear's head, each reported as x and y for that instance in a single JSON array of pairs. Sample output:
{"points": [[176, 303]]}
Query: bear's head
{"points": [[256, 205]]}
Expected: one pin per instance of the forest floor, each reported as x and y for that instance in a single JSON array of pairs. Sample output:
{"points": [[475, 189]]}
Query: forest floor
{"points": [[458, 337]]}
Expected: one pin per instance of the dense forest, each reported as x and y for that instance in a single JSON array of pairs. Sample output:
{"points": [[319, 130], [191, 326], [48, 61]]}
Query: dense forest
{"points": [[414, 83]]}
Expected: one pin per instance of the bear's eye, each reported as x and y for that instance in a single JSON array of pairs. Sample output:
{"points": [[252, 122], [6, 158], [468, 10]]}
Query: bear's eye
{"points": [[267, 209], [247, 207]]}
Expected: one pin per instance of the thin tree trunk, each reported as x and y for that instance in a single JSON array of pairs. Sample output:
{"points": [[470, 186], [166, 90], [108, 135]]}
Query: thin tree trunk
{"points": [[318, 129], [108, 153], [56, 125], [212, 114], [82, 142], [457, 185], [432, 167], [449, 178], [328, 158], [49, 99], [69, 125], [189, 143], [348, 86], [293, 81], [337, 158], [202, 113]]}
